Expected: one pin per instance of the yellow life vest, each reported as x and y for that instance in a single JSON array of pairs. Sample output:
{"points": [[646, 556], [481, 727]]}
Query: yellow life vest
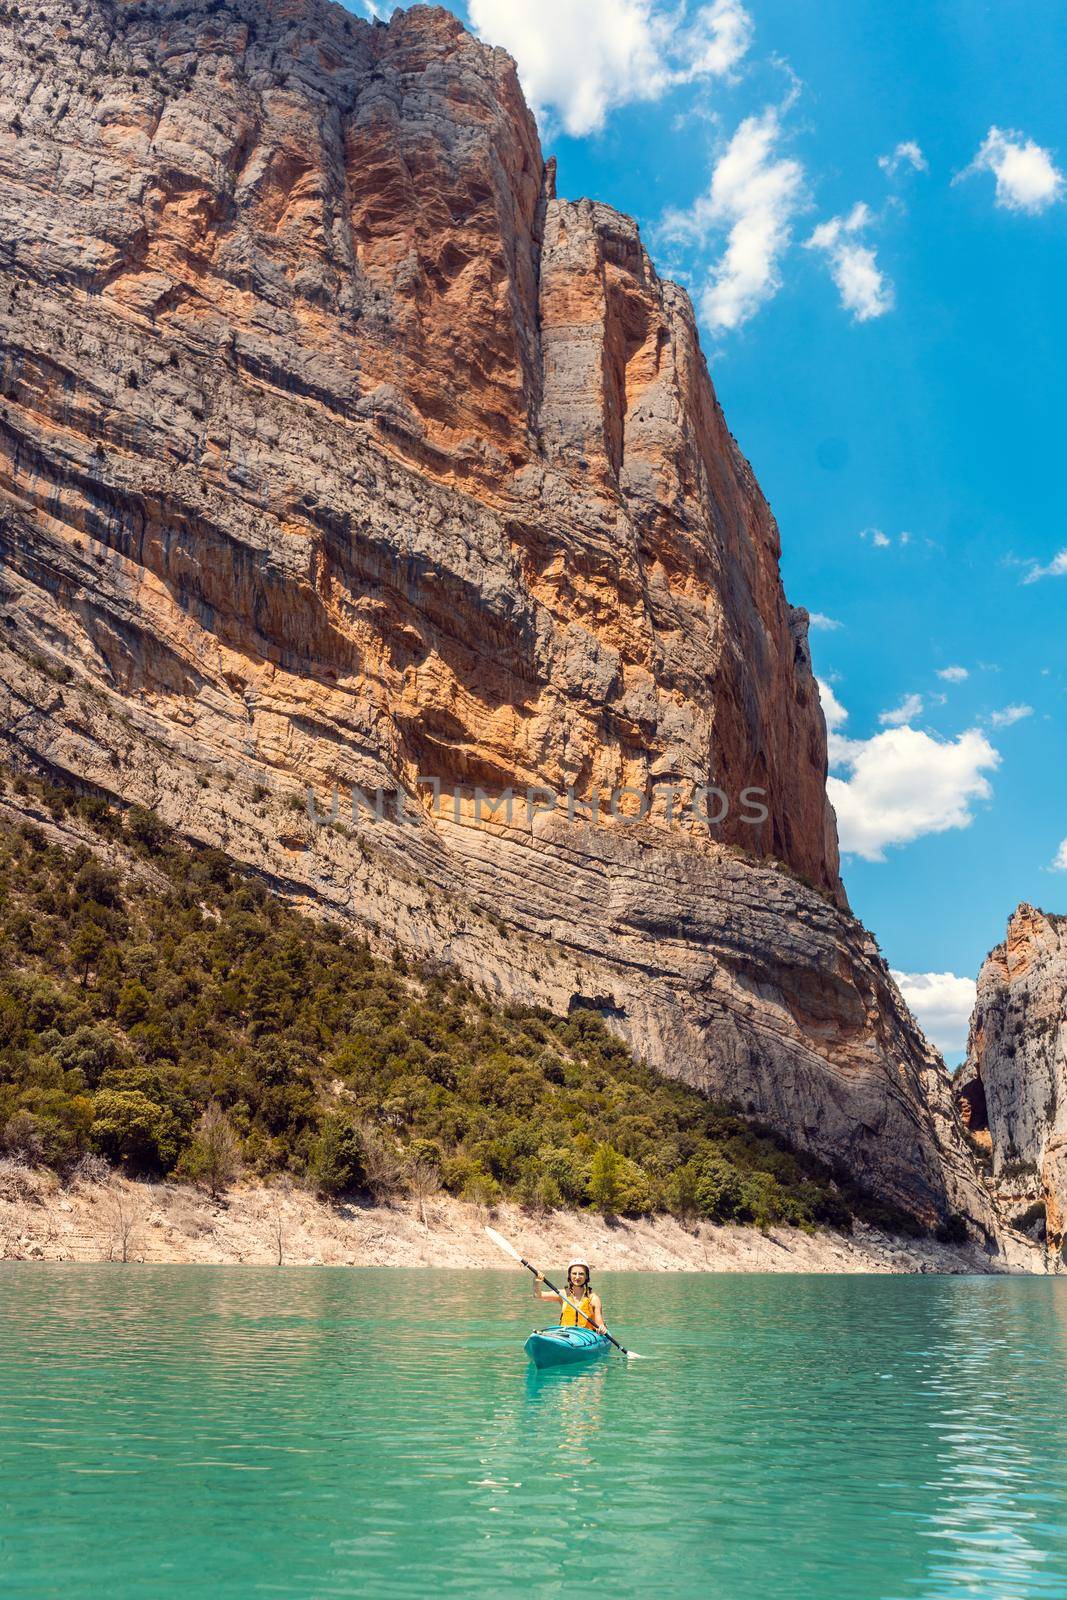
{"points": [[569, 1318]]}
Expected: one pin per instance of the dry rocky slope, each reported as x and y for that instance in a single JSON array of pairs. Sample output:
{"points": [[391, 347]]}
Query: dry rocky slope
{"points": [[336, 450], [121, 1219], [1013, 1086]]}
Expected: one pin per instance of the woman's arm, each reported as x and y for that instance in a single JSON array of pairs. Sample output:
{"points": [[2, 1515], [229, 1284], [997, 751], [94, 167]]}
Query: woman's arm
{"points": [[598, 1314], [539, 1293]]}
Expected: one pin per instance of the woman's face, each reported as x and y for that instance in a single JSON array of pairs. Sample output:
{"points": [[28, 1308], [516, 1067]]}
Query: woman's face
{"points": [[579, 1277]]}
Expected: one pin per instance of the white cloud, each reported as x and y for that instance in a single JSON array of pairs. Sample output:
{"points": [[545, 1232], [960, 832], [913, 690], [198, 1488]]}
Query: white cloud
{"points": [[578, 59], [906, 154], [1010, 715], [825, 624], [909, 708], [943, 1004], [903, 784], [832, 709], [1027, 179], [880, 540], [826, 235], [753, 196], [1060, 862], [954, 674], [863, 287], [717, 40], [1056, 568]]}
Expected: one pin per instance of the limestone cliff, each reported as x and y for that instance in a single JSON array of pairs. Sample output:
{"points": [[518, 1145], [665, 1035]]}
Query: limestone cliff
{"points": [[1013, 1086], [335, 450]]}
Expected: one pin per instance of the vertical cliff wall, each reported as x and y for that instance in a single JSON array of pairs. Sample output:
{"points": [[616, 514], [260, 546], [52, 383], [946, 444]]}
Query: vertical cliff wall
{"points": [[336, 450], [1014, 1083]]}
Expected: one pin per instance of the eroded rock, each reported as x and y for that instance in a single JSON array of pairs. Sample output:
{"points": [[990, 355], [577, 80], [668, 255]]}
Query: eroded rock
{"points": [[335, 449], [1014, 1081]]}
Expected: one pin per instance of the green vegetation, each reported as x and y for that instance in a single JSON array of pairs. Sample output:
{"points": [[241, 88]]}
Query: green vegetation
{"points": [[170, 1014]]}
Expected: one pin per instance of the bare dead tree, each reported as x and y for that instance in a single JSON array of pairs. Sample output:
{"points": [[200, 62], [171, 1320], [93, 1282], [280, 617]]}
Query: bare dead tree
{"points": [[122, 1218], [383, 1172], [90, 1172], [276, 1228], [424, 1181]]}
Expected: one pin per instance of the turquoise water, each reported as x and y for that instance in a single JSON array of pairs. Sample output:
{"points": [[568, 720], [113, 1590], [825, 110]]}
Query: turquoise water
{"points": [[235, 1432]]}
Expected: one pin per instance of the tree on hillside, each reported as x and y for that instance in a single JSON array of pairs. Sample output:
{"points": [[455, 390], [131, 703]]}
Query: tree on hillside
{"points": [[213, 1156], [87, 949], [130, 1127], [337, 1162], [605, 1180]]}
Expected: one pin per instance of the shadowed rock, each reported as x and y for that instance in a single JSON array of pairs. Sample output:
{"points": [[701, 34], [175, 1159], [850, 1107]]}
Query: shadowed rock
{"points": [[335, 449]]}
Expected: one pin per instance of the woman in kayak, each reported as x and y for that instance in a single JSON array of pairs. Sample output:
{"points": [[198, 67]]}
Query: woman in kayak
{"points": [[590, 1313]]}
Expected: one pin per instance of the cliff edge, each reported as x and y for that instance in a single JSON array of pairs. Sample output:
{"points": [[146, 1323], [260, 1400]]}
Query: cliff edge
{"points": [[338, 453], [1013, 1085]]}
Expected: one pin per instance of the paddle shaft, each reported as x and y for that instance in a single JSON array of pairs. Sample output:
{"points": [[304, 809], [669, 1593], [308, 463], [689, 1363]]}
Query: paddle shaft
{"points": [[567, 1299]]}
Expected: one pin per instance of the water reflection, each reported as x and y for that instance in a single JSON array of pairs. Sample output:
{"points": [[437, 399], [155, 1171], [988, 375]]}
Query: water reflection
{"points": [[997, 1351]]}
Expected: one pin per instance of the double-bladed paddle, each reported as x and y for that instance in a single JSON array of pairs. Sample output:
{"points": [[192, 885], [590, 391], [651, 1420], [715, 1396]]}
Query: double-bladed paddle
{"points": [[509, 1249]]}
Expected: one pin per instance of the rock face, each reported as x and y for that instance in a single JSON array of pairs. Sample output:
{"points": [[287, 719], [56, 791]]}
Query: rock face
{"points": [[335, 450], [1013, 1087]]}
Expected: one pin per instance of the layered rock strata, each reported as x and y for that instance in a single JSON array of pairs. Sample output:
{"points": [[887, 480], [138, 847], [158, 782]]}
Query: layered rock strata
{"points": [[337, 452], [1013, 1086]]}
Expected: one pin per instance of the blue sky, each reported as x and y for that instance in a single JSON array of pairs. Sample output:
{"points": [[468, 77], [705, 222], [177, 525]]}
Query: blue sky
{"points": [[887, 342]]}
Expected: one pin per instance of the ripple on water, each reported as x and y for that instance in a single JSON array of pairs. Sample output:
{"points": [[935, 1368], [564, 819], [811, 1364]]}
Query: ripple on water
{"points": [[206, 1431]]}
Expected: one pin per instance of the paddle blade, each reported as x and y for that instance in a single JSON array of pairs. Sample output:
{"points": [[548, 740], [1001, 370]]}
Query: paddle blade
{"points": [[502, 1244]]}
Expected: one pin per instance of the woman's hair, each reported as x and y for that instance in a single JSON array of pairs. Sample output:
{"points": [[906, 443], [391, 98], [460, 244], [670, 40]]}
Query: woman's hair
{"points": [[588, 1276]]}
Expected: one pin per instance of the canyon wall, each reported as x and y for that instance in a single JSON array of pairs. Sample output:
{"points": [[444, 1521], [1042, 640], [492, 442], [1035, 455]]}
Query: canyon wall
{"points": [[336, 451], [1013, 1086]]}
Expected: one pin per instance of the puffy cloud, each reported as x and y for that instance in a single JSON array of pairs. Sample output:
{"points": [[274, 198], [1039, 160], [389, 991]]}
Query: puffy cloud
{"points": [[863, 287], [906, 154], [832, 709], [825, 624], [943, 1004], [903, 784], [578, 59], [753, 196], [954, 674], [1059, 863], [1056, 568], [909, 708], [1027, 178], [716, 42], [1010, 715]]}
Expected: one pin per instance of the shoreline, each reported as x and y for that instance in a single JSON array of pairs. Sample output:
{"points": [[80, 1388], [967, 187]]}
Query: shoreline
{"points": [[121, 1219]]}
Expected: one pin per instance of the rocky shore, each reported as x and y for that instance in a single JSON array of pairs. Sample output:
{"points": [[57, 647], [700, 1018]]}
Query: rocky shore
{"points": [[116, 1219]]}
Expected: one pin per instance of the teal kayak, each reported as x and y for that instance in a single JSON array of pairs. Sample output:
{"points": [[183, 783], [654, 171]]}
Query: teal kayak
{"points": [[558, 1347]]}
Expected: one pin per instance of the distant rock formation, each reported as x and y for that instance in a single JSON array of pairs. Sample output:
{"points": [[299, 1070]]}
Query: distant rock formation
{"points": [[336, 451], [1013, 1086]]}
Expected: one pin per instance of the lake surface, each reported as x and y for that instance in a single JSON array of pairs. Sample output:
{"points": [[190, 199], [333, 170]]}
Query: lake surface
{"points": [[225, 1432]]}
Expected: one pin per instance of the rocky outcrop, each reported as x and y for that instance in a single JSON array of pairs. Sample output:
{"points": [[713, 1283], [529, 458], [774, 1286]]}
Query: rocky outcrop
{"points": [[1013, 1086], [337, 451]]}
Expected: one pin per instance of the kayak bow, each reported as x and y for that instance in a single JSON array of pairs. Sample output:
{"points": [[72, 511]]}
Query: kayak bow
{"points": [[559, 1347]]}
